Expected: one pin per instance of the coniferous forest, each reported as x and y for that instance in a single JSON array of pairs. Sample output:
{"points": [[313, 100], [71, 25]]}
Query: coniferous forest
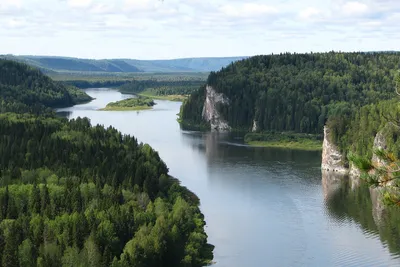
{"points": [[296, 92], [73, 194]]}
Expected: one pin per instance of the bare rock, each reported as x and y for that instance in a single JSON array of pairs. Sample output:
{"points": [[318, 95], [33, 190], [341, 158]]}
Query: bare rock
{"points": [[210, 112]]}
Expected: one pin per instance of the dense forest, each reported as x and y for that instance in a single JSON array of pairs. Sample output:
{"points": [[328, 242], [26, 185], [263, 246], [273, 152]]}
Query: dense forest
{"points": [[354, 130], [85, 84], [72, 194], [296, 92], [24, 88], [161, 88]]}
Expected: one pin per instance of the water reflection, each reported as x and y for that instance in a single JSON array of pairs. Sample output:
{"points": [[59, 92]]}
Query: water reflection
{"points": [[351, 199], [219, 145]]}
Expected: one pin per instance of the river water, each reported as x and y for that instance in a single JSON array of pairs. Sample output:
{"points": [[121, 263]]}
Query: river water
{"points": [[263, 206]]}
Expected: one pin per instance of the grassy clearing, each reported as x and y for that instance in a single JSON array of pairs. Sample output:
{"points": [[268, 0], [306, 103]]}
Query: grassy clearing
{"points": [[312, 145], [285, 140], [177, 98]]}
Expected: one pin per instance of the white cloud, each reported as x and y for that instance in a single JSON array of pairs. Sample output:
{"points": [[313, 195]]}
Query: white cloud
{"points": [[185, 27], [101, 8], [309, 13], [139, 4], [15, 23], [9, 4], [79, 3], [354, 8], [371, 24], [248, 10]]}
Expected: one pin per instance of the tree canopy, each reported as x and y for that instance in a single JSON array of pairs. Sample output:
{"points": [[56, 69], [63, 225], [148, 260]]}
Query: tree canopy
{"points": [[73, 194], [296, 92]]}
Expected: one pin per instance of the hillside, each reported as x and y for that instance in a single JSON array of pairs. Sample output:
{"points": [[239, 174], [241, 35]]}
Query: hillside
{"points": [[65, 64], [290, 92], [24, 85], [184, 64], [73, 194]]}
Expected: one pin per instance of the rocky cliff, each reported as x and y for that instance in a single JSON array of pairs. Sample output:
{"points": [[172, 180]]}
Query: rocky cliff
{"points": [[210, 112], [379, 143], [332, 159], [255, 126]]}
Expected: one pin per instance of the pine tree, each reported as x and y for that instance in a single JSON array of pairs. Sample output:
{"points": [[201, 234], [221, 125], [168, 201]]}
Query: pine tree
{"points": [[10, 256], [35, 199]]}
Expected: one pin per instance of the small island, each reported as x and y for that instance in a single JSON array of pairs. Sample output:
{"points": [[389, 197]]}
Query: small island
{"points": [[135, 103]]}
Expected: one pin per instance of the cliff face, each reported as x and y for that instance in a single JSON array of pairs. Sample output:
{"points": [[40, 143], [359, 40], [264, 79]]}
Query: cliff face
{"points": [[210, 112], [255, 126], [332, 159], [379, 143]]}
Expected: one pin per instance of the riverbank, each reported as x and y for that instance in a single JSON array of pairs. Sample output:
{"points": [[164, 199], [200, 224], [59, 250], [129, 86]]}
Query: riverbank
{"points": [[285, 140], [176, 98], [317, 146], [125, 108]]}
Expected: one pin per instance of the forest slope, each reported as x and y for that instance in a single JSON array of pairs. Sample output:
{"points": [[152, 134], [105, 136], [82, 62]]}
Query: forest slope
{"points": [[73, 194], [22, 85], [295, 92]]}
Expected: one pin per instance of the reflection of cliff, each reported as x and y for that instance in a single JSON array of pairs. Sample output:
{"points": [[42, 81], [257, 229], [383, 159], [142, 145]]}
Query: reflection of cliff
{"points": [[345, 200], [220, 146], [225, 149]]}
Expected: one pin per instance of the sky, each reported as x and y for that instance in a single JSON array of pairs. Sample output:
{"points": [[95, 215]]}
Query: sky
{"points": [[165, 29]]}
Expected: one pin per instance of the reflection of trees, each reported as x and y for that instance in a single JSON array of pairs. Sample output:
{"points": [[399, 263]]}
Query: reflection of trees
{"points": [[345, 199]]}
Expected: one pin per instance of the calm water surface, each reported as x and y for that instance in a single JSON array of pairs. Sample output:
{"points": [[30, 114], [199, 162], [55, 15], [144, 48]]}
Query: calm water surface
{"points": [[263, 207]]}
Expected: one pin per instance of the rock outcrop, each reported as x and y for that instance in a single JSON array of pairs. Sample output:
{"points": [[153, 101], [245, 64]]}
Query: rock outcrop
{"points": [[255, 126], [332, 159], [379, 143], [354, 171], [210, 112]]}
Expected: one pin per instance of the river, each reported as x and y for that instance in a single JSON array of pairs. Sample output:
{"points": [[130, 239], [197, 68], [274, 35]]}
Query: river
{"points": [[263, 206]]}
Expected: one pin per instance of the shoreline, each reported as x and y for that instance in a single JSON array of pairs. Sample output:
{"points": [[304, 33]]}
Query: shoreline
{"points": [[286, 145], [175, 98], [138, 108]]}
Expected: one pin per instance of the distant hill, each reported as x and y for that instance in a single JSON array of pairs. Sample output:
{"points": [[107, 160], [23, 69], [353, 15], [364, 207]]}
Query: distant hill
{"points": [[66, 64], [205, 64]]}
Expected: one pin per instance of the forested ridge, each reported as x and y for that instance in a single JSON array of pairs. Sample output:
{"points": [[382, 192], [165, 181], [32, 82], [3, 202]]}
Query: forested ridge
{"points": [[23, 87], [296, 92], [72, 194], [161, 88], [74, 65]]}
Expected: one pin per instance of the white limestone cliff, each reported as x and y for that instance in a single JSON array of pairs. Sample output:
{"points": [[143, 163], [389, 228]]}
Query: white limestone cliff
{"points": [[210, 112], [332, 159]]}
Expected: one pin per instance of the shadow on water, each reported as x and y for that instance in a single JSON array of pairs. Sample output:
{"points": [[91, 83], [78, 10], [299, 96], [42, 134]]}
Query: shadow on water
{"points": [[349, 198]]}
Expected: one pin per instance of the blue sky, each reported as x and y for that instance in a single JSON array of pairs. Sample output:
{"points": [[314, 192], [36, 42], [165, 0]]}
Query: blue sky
{"points": [[155, 29]]}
